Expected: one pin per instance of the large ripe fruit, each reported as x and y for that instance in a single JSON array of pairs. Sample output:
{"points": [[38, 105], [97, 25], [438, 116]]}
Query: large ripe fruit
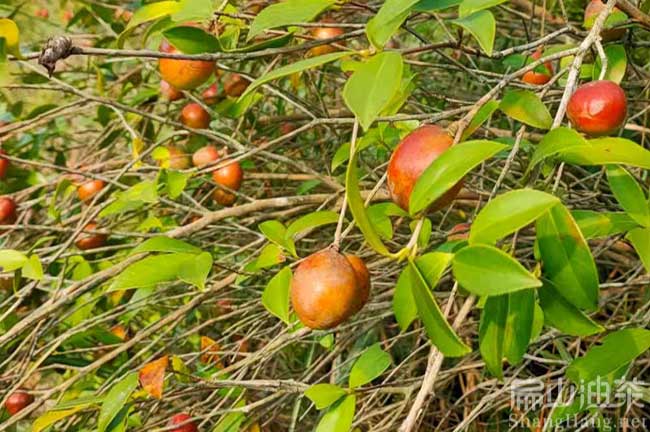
{"points": [[597, 108], [182, 419], [194, 116], [538, 78], [231, 177], [178, 159], [7, 211], [89, 189], [170, 92], [4, 165], [211, 94], [87, 240], [205, 156], [183, 74], [17, 401], [593, 9], [322, 33], [363, 280], [409, 160], [326, 289], [235, 85]]}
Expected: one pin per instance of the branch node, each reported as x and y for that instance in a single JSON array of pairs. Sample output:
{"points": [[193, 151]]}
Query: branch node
{"points": [[56, 48]]}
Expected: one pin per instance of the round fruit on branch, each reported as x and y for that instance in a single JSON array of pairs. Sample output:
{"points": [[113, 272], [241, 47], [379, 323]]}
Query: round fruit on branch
{"points": [[230, 176], [170, 92], [409, 160], [89, 189], [4, 165], [538, 78], [194, 116], [17, 401], [211, 95], [598, 108], [205, 156], [182, 423], [183, 74], [593, 9], [324, 33], [177, 158], [328, 288], [235, 85], [7, 210], [87, 240]]}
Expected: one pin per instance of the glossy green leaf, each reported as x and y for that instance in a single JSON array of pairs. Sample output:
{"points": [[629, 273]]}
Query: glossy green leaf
{"points": [[154, 270], [270, 255], [448, 169], [372, 86], [435, 5], [165, 244], [567, 260], [519, 325], [52, 416], [491, 333], [192, 40], [526, 107], [485, 270], [482, 26], [196, 269], [33, 269], [310, 221], [618, 349], [606, 151], [146, 13], [115, 400], [508, 213], [275, 297], [176, 182], [285, 13], [371, 364], [387, 21], [562, 315], [555, 141], [481, 116], [468, 7], [640, 239], [616, 64], [629, 194], [273, 230], [596, 224], [339, 417], [194, 10], [11, 260], [324, 395], [404, 307], [438, 329]]}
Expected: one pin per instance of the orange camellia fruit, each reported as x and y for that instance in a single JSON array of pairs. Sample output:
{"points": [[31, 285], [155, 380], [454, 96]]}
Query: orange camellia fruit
{"points": [[235, 85], [194, 116], [89, 189], [18, 401], [170, 93], [593, 9], [538, 78], [205, 156], [90, 241], [597, 108], [182, 423], [211, 94], [231, 177], [183, 74], [7, 211], [323, 33], [328, 288], [177, 160], [409, 160], [120, 331], [4, 165]]}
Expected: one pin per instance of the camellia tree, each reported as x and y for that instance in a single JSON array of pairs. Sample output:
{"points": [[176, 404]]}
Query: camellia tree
{"points": [[400, 215]]}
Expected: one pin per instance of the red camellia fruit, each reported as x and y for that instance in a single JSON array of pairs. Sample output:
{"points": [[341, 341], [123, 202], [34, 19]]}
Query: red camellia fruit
{"points": [[597, 108], [409, 160], [90, 241], [7, 211], [183, 74], [170, 93], [538, 78], [42, 13], [235, 85], [17, 401], [184, 423], [89, 189], [211, 94], [4, 165], [231, 177], [328, 288], [205, 156], [459, 232], [322, 33], [194, 116], [593, 9]]}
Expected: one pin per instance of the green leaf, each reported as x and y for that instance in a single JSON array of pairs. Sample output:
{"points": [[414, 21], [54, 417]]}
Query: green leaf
{"points": [[482, 26], [629, 194], [192, 40], [508, 213], [275, 297], [133, 198], [293, 68], [432, 265], [339, 417], [387, 21], [115, 400], [448, 169], [519, 325], [468, 7], [274, 230], [485, 270], [435, 5], [481, 116], [193, 10], [616, 64], [555, 141], [372, 86], [438, 329], [491, 333], [285, 13], [165, 244], [324, 395], [618, 349], [562, 315], [525, 106], [371, 364], [146, 13], [404, 306], [231, 421], [50, 417], [176, 182], [154, 270], [567, 260], [640, 239], [33, 268], [11, 260], [595, 224], [271, 255], [607, 151], [195, 270], [310, 221]]}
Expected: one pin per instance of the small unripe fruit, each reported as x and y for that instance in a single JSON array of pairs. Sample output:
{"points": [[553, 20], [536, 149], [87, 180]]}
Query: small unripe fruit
{"points": [[229, 176], [205, 156], [597, 108], [90, 241], [194, 116], [411, 157], [42, 13], [322, 33], [211, 94], [89, 189], [538, 78], [593, 9], [183, 74], [169, 92], [17, 401], [185, 425], [7, 211], [4, 165], [235, 85], [326, 289]]}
